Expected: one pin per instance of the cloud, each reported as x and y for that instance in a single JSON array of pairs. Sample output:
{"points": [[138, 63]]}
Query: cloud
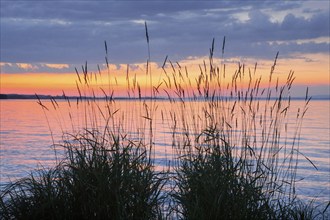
{"points": [[5, 64], [26, 66], [74, 31], [34, 67], [56, 66]]}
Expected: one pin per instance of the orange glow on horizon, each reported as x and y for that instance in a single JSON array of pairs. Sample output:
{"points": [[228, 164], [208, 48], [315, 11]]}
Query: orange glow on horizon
{"points": [[40, 83], [312, 72]]}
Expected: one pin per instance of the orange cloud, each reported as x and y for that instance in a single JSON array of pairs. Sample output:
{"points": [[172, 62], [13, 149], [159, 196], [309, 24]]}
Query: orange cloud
{"points": [[56, 66], [5, 64], [26, 66]]}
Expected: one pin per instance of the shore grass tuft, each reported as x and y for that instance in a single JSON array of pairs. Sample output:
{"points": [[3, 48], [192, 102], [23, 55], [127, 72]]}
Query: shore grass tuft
{"points": [[98, 180]]}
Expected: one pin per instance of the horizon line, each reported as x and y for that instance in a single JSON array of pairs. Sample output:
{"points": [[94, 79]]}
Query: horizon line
{"points": [[4, 96]]}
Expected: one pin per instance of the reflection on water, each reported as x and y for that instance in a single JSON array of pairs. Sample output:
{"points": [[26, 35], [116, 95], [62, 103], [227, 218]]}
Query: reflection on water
{"points": [[26, 138]]}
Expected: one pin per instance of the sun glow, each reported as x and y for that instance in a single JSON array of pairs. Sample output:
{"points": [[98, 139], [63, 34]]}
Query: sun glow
{"points": [[136, 80]]}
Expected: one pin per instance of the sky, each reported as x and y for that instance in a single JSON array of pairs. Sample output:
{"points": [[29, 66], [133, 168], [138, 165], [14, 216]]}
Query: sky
{"points": [[41, 42]]}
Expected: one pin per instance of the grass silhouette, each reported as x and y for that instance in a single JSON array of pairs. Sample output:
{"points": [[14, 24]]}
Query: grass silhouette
{"points": [[234, 157]]}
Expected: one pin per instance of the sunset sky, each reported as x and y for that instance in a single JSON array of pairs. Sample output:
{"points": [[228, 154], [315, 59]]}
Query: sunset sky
{"points": [[43, 41]]}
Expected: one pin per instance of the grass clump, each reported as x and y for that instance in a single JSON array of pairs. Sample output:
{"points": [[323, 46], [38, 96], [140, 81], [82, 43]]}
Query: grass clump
{"points": [[99, 179], [210, 187]]}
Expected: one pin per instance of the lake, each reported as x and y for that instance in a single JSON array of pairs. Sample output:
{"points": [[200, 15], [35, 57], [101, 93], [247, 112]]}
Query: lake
{"points": [[27, 131]]}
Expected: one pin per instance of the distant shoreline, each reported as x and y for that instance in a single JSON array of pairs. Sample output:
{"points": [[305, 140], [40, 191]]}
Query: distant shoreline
{"points": [[58, 97]]}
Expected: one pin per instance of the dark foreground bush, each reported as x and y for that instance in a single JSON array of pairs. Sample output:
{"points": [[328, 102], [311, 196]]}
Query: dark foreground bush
{"points": [[100, 179], [210, 187]]}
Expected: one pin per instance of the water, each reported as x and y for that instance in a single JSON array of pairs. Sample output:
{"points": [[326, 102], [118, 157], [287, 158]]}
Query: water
{"points": [[26, 139]]}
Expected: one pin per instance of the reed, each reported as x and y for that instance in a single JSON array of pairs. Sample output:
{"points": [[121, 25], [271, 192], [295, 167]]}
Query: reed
{"points": [[236, 159], [234, 154]]}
